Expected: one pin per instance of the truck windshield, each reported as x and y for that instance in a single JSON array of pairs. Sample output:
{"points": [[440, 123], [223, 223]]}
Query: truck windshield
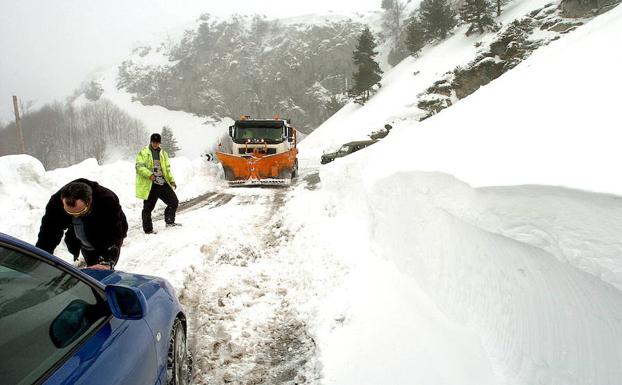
{"points": [[269, 134]]}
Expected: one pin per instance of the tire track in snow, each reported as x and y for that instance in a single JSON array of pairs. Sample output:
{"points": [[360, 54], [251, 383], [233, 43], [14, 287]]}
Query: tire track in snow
{"points": [[212, 199], [243, 328]]}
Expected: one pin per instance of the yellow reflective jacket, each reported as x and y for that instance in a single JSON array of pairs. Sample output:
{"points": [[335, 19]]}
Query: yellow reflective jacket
{"points": [[144, 169]]}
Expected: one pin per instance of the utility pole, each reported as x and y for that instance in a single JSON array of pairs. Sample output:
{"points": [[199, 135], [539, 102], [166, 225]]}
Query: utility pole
{"points": [[18, 125]]}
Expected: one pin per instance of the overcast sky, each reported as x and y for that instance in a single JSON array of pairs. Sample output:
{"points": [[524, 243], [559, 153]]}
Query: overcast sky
{"points": [[48, 47]]}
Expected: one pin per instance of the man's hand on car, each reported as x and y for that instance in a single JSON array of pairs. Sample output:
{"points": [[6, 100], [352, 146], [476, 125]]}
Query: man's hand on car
{"points": [[100, 267]]}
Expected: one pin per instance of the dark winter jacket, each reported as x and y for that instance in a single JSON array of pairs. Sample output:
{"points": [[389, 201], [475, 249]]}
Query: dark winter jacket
{"points": [[105, 225]]}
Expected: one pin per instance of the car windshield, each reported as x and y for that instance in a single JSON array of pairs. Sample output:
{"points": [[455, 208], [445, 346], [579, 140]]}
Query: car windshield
{"points": [[344, 150], [270, 134]]}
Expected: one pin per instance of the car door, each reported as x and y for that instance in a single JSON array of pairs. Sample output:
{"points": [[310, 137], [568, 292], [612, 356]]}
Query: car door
{"points": [[56, 327]]}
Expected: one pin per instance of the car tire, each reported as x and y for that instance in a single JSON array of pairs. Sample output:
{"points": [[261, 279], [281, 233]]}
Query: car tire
{"points": [[179, 362]]}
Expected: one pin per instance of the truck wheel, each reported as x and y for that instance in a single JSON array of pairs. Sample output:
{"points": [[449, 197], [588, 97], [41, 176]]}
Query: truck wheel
{"points": [[295, 169], [285, 173], [228, 173]]}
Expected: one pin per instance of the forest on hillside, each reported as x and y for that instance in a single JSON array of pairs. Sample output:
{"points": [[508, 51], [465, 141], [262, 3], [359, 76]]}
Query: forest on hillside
{"points": [[249, 65]]}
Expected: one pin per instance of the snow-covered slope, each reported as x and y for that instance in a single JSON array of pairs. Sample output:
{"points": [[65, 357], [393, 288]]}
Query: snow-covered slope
{"points": [[557, 123], [524, 281], [195, 135], [548, 121]]}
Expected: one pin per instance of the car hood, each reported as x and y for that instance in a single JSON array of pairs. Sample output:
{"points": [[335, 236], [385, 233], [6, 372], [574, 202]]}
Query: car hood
{"points": [[145, 283]]}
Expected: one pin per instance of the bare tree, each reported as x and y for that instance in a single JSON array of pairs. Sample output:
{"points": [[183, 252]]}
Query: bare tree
{"points": [[394, 13]]}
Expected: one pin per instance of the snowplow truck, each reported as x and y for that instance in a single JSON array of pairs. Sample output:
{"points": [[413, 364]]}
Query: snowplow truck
{"points": [[263, 152]]}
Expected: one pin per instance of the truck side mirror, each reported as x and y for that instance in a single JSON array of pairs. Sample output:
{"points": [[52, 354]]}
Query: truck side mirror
{"points": [[290, 134], [231, 131]]}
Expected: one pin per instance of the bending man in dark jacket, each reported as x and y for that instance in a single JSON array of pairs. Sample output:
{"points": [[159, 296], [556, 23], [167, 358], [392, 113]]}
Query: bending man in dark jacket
{"points": [[93, 218]]}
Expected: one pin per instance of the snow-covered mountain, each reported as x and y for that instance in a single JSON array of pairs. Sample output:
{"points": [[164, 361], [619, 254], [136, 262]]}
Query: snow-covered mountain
{"points": [[247, 65], [195, 79], [200, 76], [478, 246]]}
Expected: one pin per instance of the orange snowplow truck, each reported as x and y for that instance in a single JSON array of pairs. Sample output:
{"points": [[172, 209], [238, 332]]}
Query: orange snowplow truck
{"points": [[263, 152]]}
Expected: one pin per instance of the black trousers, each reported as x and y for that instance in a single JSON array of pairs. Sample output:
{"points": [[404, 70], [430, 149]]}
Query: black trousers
{"points": [[168, 196], [91, 257]]}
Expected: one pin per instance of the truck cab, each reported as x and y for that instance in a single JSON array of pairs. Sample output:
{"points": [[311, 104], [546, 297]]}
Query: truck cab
{"points": [[263, 152]]}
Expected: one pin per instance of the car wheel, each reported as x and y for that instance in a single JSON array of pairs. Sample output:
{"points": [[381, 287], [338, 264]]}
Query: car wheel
{"points": [[178, 366]]}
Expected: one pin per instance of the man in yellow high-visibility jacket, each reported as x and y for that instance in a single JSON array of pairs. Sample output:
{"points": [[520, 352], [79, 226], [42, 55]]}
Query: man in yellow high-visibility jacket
{"points": [[154, 181]]}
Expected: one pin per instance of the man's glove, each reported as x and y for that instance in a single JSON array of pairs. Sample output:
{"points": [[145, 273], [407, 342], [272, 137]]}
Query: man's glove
{"points": [[112, 254], [105, 262], [174, 185], [76, 256]]}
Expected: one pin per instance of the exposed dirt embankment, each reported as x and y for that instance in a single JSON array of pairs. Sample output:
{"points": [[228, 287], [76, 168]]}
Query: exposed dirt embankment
{"points": [[514, 44]]}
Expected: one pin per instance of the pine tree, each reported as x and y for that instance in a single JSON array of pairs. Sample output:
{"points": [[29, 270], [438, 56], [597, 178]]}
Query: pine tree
{"points": [[169, 143], [415, 36], [368, 71], [499, 2], [437, 18], [93, 91], [479, 14], [333, 105]]}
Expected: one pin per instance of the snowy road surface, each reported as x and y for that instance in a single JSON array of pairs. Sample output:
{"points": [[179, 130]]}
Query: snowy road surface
{"points": [[244, 327]]}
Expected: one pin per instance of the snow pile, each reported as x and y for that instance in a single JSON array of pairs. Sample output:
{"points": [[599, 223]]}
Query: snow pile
{"points": [[26, 187], [493, 263]]}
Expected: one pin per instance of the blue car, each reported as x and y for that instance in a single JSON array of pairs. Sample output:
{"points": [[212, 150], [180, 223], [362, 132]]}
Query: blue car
{"points": [[62, 325]]}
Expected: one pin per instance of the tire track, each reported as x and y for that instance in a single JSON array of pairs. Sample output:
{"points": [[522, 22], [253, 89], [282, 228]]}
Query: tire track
{"points": [[244, 330], [211, 199]]}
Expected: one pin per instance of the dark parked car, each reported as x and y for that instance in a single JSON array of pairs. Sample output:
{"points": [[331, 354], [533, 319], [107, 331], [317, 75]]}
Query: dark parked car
{"points": [[346, 149], [61, 325]]}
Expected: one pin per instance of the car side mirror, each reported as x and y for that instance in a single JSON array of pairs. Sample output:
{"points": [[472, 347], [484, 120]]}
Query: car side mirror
{"points": [[126, 302]]}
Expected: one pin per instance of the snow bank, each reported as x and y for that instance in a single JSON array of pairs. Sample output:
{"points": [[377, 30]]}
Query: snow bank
{"points": [[25, 187], [540, 318], [446, 284]]}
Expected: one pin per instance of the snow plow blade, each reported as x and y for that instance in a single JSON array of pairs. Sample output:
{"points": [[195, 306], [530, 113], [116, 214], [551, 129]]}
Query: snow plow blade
{"points": [[259, 169]]}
